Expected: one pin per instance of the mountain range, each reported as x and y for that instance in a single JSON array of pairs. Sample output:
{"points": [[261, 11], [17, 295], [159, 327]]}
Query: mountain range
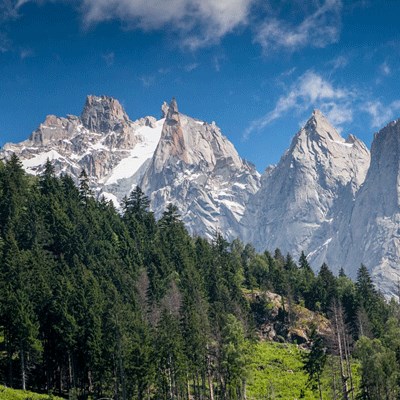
{"points": [[328, 196]]}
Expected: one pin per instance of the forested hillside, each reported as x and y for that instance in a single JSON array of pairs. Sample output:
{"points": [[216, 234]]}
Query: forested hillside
{"points": [[102, 304]]}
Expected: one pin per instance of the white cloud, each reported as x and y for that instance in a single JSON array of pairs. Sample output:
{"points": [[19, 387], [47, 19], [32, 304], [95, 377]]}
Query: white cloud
{"points": [[8, 9], [191, 67], [217, 60], [147, 80], [309, 90], [109, 58], [381, 114], [318, 29], [200, 22], [5, 43], [337, 114], [339, 62], [385, 69]]}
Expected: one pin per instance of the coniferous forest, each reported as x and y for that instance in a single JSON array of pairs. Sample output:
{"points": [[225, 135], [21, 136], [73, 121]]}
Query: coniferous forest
{"points": [[96, 303]]}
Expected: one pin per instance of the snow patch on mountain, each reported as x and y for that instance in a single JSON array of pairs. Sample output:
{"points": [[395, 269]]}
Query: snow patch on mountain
{"points": [[142, 152], [323, 197]]}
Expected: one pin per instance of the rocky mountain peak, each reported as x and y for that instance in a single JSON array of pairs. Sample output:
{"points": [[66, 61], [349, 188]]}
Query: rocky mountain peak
{"points": [[351, 139], [173, 112], [103, 114], [318, 126], [164, 109], [172, 143], [371, 233]]}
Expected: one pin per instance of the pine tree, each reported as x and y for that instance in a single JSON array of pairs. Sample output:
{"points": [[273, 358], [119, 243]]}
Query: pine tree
{"points": [[314, 362], [84, 187]]}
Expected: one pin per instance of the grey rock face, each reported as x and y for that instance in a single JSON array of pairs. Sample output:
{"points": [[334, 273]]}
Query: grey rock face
{"points": [[318, 199], [99, 141], [295, 209], [176, 159], [103, 115], [198, 169], [373, 229]]}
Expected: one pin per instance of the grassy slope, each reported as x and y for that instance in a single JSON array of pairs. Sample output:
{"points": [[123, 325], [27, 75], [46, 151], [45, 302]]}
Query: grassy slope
{"points": [[276, 373], [13, 394]]}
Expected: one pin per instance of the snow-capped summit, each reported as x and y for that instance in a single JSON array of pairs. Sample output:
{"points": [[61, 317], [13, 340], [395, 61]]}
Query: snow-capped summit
{"points": [[103, 141], [318, 199], [176, 159]]}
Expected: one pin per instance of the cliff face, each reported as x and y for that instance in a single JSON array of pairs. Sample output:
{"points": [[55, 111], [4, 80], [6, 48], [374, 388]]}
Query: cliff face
{"points": [[297, 205], [103, 141], [323, 197], [199, 170], [372, 235]]}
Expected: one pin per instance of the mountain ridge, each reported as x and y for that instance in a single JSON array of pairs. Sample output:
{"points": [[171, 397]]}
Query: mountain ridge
{"points": [[306, 202]]}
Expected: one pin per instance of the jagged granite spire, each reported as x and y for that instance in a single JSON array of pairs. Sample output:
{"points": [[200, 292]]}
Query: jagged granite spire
{"points": [[103, 114], [372, 233], [173, 112], [164, 109], [196, 168], [319, 125], [172, 134], [293, 209]]}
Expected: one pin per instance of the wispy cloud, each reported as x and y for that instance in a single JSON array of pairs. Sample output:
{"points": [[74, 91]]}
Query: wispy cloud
{"points": [[385, 69], [338, 113], [109, 58], [380, 113], [164, 70], [217, 60], [310, 89], [317, 29], [339, 62], [191, 67], [200, 22], [9, 9], [26, 53], [5, 43], [147, 80]]}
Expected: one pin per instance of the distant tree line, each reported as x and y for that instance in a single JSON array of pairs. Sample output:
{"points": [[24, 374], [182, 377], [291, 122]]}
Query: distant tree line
{"points": [[96, 302]]}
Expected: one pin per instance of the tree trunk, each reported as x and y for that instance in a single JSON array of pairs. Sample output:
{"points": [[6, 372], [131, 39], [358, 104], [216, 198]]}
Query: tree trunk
{"points": [[121, 370], [348, 363], [10, 363], [341, 357], [188, 386], [90, 381], [60, 371], [70, 380], [334, 381], [23, 368], [209, 377], [210, 385], [319, 389]]}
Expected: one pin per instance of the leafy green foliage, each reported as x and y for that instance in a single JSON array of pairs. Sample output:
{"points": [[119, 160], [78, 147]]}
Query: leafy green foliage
{"points": [[277, 373], [98, 304], [13, 394], [314, 361]]}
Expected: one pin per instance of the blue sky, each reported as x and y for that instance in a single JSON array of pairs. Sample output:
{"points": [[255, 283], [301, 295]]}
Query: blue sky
{"points": [[257, 68]]}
